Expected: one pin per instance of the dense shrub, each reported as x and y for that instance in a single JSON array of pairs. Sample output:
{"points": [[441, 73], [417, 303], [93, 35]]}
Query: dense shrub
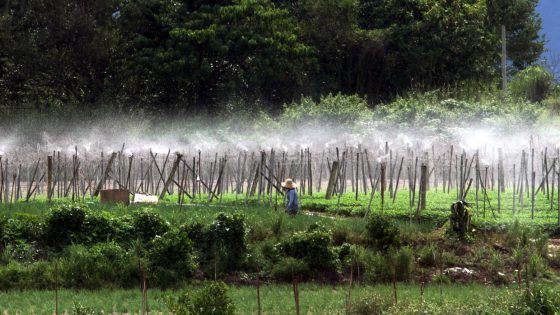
{"points": [[148, 224], [376, 268], [21, 276], [427, 255], [404, 263], [210, 300], [226, 241], [533, 83], [382, 233], [171, 258], [63, 226], [313, 247], [539, 300], [287, 268], [102, 265], [124, 230], [19, 251], [339, 109], [75, 225], [22, 227], [371, 304]]}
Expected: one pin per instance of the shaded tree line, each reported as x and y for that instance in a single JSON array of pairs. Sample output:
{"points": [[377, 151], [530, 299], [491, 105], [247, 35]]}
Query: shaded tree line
{"points": [[199, 54]]}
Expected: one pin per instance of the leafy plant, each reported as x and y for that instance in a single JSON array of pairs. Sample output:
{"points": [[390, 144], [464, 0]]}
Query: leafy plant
{"points": [[382, 232], [210, 300], [147, 224], [534, 83], [171, 258], [312, 246]]}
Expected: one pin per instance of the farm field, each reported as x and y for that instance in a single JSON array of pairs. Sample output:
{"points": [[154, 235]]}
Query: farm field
{"points": [[278, 299], [424, 250]]}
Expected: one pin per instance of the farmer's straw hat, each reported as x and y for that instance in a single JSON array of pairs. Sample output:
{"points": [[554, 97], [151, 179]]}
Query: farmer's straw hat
{"points": [[289, 183]]}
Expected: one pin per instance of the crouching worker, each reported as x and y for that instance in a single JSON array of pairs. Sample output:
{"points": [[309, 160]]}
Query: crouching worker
{"points": [[290, 188]]}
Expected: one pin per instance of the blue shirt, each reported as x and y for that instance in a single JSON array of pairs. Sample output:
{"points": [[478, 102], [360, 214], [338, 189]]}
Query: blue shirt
{"points": [[292, 205]]}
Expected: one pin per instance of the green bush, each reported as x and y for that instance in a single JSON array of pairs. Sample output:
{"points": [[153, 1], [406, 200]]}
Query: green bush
{"points": [[376, 268], [288, 267], [75, 225], [382, 233], [22, 227], [22, 276], [171, 258], [210, 300], [427, 255], [539, 300], [534, 83], [314, 247], [371, 304], [147, 224], [226, 241], [79, 309], [102, 265], [20, 251], [404, 263], [63, 226], [339, 109]]}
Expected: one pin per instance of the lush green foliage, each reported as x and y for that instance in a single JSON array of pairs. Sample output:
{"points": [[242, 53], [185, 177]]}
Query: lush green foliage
{"points": [[204, 54], [533, 83], [213, 299], [171, 258], [382, 233]]}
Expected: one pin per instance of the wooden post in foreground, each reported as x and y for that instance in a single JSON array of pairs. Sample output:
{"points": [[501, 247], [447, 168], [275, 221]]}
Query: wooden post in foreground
{"points": [[332, 180], [49, 176]]}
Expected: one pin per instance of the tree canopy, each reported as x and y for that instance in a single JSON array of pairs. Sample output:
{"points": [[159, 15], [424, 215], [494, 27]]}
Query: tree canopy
{"points": [[199, 54]]}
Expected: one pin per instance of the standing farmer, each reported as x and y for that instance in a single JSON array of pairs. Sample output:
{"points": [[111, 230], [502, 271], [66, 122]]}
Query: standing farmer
{"points": [[291, 193]]}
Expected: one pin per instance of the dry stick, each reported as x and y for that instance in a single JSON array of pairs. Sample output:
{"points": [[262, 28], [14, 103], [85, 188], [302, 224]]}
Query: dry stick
{"points": [[513, 197], [391, 172], [105, 175], [545, 167], [369, 169], [130, 159], [170, 178], [310, 170], [218, 181], [332, 180], [414, 180], [31, 183], [321, 172], [56, 288], [450, 162], [383, 166], [423, 187], [19, 182], [259, 309], [398, 178], [364, 179], [467, 190], [558, 201], [552, 184], [533, 195], [1, 180], [486, 195], [542, 184], [349, 296], [296, 292], [357, 174], [373, 189], [37, 184]]}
